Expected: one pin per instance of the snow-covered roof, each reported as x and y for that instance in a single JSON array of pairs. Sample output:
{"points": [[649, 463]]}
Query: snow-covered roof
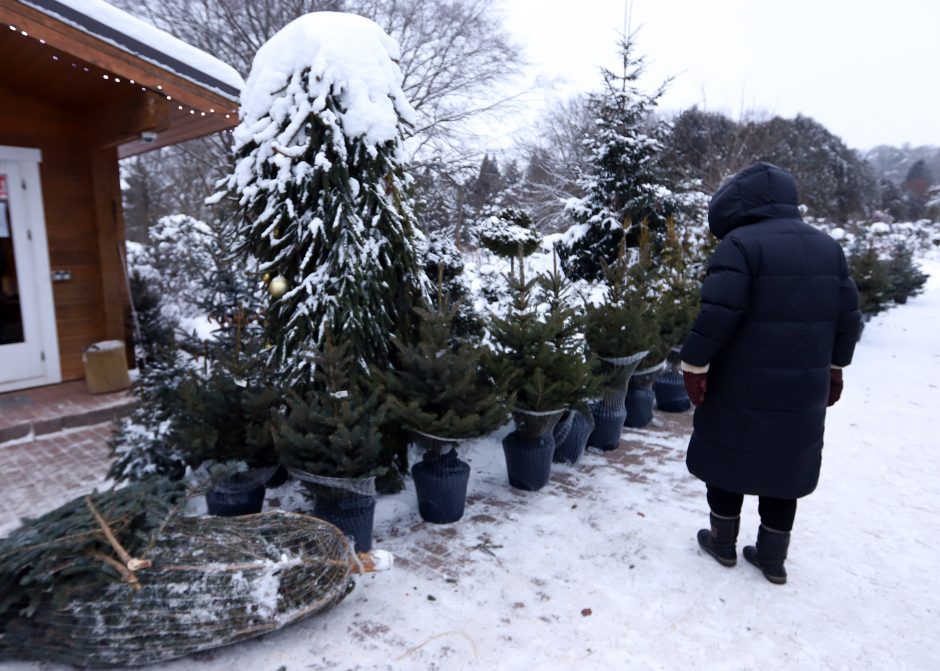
{"points": [[145, 41]]}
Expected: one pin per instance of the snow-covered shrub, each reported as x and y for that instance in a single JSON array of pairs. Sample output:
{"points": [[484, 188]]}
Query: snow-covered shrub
{"points": [[509, 233], [445, 268]]}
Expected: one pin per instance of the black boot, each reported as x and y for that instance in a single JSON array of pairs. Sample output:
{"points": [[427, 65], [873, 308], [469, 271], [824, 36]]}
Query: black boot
{"points": [[770, 553], [719, 541]]}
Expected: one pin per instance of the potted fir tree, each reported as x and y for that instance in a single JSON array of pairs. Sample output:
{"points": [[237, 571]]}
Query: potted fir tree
{"points": [[620, 331], [545, 372], [640, 396], [675, 311], [441, 393], [329, 439], [576, 424]]}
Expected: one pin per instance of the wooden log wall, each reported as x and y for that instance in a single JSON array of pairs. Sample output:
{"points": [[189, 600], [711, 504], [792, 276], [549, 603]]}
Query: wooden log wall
{"points": [[84, 225]]}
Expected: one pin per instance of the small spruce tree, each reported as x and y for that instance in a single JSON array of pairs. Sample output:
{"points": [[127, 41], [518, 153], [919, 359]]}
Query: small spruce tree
{"points": [[905, 278], [440, 387], [626, 182], [676, 299], [332, 429], [623, 324], [871, 277], [534, 354]]}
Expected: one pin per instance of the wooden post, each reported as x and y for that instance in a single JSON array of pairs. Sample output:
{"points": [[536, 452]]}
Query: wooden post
{"points": [[109, 221]]}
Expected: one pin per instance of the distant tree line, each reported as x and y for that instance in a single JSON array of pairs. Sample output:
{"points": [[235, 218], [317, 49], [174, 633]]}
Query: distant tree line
{"points": [[454, 55]]}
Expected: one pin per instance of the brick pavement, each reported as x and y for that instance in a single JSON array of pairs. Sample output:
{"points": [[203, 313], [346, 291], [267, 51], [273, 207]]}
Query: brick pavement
{"points": [[46, 410], [41, 474]]}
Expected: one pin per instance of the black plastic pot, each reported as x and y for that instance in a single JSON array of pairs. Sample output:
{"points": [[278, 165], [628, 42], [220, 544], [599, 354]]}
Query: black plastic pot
{"points": [[441, 486], [353, 514], [275, 476], [639, 404], [640, 397], [571, 436], [528, 460], [609, 414], [240, 494], [670, 392]]}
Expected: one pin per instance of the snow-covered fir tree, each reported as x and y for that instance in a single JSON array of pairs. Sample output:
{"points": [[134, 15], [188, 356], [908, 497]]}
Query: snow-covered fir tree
{"points": [[626, 185], [321, 189]]}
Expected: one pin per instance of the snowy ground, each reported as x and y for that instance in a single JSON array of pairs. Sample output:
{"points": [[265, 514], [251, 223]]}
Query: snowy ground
{"points": [[508, 586]]}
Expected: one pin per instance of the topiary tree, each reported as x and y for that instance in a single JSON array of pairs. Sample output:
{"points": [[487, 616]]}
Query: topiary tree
{"points": [[321, 190], [509, 234]]}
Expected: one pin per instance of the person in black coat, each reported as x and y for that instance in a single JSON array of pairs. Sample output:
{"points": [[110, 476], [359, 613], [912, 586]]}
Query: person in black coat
{"points": [[779, 319]]}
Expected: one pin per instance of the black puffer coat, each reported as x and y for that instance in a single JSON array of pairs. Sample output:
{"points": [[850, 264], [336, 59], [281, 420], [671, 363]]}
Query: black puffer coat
{"points": [[778, 309]]}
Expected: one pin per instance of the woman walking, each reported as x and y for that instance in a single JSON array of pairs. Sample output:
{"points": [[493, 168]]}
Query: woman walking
{"points": [[779, 320]]}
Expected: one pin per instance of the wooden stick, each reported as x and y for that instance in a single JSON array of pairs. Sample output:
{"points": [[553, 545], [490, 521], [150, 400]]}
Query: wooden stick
{"points": [[131, 563], [129, 576]]}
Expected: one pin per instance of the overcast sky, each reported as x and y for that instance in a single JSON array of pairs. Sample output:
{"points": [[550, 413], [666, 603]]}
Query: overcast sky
{"points": [[869, 71]]}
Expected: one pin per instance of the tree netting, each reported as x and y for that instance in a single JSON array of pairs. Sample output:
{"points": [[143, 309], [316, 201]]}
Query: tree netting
{"points": [[167, 586]]}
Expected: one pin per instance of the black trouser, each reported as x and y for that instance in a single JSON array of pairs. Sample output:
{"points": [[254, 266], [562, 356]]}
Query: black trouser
{"points": [[776, 514]]}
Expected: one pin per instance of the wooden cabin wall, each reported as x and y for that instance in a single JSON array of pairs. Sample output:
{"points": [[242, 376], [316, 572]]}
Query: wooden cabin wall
{"points": [[82, 202]]}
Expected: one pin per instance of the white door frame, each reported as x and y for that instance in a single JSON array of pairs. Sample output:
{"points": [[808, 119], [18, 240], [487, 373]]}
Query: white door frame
{"points": [[26, 163]]}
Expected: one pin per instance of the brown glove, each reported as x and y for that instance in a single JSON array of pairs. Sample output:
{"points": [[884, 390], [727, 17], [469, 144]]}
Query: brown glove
{"points": [[696, 384], [835, 385]]}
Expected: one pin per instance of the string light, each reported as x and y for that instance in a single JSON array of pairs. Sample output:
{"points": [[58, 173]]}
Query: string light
{"points": [[117, 80]]}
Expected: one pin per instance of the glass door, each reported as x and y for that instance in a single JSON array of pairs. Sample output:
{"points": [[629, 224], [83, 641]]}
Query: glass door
{"points": [[11, 313], [22, 359]]}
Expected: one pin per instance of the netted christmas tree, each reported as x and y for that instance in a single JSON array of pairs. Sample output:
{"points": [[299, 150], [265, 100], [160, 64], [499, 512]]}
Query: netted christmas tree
{"points": [[626, 184], [321, 191]]}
